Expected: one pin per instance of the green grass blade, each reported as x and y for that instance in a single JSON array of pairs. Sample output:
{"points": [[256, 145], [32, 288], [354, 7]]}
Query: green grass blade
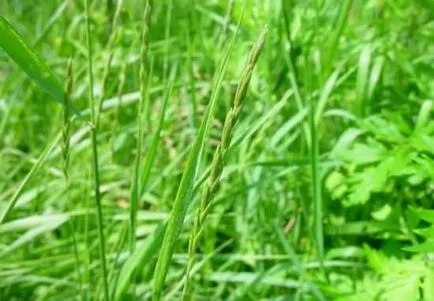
{"points": [[335, 37], [424, 114], [316, 185], [142, 255], [324, 97], [150, 156], [51, 22], [29, 61], [299, 99], [10, 205], [46, 225], [363, 80], [141, 119], [375, 78], [184, 192], [255, 126]]}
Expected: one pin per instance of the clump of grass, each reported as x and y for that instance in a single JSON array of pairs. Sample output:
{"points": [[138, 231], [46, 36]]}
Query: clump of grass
{"points": [[220, 154]]}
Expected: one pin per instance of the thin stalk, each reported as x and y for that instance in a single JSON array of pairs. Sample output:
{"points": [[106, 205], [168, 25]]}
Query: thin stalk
{"points": [[94, 134], [116, 117], [108, 66], [67, 123], [141, 120], [228, 17], [316, 186], [190, 59], [334, 40], [166, 39], [142, 113]]}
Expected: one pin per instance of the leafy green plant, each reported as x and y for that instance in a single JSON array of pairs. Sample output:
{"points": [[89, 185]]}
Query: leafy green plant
{"points": [[410, 279], [378, 158]]}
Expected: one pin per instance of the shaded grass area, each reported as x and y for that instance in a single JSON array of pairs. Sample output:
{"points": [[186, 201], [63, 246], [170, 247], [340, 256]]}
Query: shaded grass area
{"points": [[181, 167]]}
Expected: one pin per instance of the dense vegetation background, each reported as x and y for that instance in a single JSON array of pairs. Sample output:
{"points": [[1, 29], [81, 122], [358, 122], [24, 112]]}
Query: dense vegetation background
{"points": [[328, 180]]}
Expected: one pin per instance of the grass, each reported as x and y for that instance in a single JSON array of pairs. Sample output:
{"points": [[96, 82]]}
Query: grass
{"points": [[176, 163]]}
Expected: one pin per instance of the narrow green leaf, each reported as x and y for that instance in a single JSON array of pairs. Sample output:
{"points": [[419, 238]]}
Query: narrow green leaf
{"points": [[29, 61], [30, 222], [363, 80], [421, 248], [142, 255], [283, 132], [49, 225], [336, 35], [255, 126], [10, 205], [248, 278], [325, 95], [374, 78], [425, 214], [150, 156]]}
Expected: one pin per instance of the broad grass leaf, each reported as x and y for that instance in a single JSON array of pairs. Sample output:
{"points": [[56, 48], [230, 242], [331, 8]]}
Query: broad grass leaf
{"points": [[425, 214], [31, 222], [425, 247], [142, 255], [29, 61], [31, 234]]}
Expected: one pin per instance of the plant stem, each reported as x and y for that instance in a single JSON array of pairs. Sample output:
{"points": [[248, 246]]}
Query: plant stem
{"points": [[94, 134]]}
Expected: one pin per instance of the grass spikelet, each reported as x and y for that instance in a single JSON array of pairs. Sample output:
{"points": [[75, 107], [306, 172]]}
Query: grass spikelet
{"points": [[220, 153]]}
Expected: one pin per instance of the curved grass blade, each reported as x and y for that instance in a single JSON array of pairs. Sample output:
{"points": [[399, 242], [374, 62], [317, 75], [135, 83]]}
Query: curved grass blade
{"points": [[29, 61], [325, 96], [10, 205], [336, 35], [142, 254], [47, 223], [150, 156]]}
